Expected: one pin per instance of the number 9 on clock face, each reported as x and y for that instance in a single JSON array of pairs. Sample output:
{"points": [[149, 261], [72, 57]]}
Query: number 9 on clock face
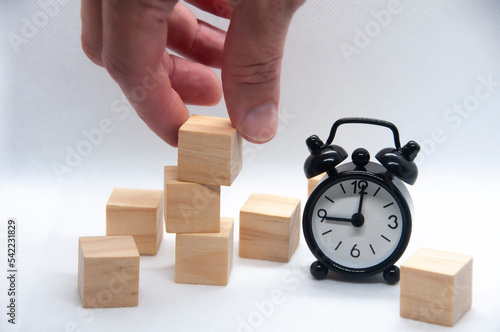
{"points": [[357, 223]]}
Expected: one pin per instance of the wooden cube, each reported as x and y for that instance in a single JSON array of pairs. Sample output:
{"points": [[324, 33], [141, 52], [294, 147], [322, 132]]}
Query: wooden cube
{"points": [[136, 212], [205, 258], [269, 227], [108, 271], [210, 151], [436, 287], [190, 207], [313, 183]]}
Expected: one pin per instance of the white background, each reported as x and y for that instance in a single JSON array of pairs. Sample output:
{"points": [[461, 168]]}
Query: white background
{"points": [[414, 67]]}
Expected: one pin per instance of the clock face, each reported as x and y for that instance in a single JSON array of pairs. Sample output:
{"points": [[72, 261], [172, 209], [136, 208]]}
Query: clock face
{"points": [[358, 222]]}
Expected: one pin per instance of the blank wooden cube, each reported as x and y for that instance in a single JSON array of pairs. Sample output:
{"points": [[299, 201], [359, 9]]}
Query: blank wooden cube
{"points": [[190, 207], [436, 287], [269, 227], [210, 151], [205, 258], [108, 271], [313, 183], [136, 212]]}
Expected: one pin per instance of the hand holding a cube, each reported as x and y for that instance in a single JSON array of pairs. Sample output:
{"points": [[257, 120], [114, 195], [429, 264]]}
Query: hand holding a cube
{"points": [[129, 39]]}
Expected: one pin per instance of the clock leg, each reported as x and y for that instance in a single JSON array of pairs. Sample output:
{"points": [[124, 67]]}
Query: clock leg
{"points": [[318, 270], [391, 275]]}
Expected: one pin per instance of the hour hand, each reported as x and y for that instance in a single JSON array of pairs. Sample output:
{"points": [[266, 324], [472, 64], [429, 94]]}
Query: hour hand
{"points": [[338, 219]]}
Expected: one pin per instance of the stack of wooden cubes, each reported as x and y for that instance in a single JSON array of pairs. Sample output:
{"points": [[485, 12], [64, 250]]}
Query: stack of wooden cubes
{"points": [[209, 156]]}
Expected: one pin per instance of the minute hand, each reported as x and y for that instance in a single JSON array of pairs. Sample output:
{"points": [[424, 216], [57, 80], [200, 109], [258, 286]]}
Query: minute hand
{"points": [[361, 195]]}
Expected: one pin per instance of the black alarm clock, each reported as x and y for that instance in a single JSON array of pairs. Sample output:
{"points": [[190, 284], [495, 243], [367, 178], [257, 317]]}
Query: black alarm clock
{"points": [[357, 221]]}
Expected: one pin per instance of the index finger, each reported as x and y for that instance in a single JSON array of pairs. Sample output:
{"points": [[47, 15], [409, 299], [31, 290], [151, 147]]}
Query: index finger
{"points": [[134, 37]]}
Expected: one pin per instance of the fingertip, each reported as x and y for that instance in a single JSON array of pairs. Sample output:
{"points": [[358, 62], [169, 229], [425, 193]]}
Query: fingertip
{"points": [[259, 124], [167, 125], [172, 136]]}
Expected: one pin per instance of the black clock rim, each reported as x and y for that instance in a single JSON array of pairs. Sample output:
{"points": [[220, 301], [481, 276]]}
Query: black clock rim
{"points": [[383, 182]]}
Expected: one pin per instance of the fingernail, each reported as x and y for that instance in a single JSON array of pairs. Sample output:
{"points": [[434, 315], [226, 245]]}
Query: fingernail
{"points": [[261, 122]]}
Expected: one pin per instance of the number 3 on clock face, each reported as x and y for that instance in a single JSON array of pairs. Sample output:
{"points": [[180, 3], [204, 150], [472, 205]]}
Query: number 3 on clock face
{"points": [[358, 223]]}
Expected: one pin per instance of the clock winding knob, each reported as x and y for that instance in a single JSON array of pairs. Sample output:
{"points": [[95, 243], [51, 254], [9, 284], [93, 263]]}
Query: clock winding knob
{"points": [[360, 157]]}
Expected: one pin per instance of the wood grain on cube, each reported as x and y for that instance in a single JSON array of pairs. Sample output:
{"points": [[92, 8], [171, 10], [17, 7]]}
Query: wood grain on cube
{"points": [[205, 258], [269, 227], [108, 271], [136, 212], [436, 287], [190, 207], [210, 151]]}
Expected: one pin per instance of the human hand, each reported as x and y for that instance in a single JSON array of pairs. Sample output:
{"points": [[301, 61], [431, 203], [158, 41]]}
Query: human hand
{"points": [[129, 37]]}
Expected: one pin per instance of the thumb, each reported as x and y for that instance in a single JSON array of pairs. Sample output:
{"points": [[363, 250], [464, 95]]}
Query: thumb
{"points": [[252, 65]]}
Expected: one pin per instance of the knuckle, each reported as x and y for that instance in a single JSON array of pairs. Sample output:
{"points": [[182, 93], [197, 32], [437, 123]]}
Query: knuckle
{"points": [[258, 72], [92, 51], [122, 72], [115, 70]]}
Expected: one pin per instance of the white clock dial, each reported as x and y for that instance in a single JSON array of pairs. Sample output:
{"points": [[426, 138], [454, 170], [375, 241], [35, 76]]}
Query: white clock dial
{"points": [[357, 223]]}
